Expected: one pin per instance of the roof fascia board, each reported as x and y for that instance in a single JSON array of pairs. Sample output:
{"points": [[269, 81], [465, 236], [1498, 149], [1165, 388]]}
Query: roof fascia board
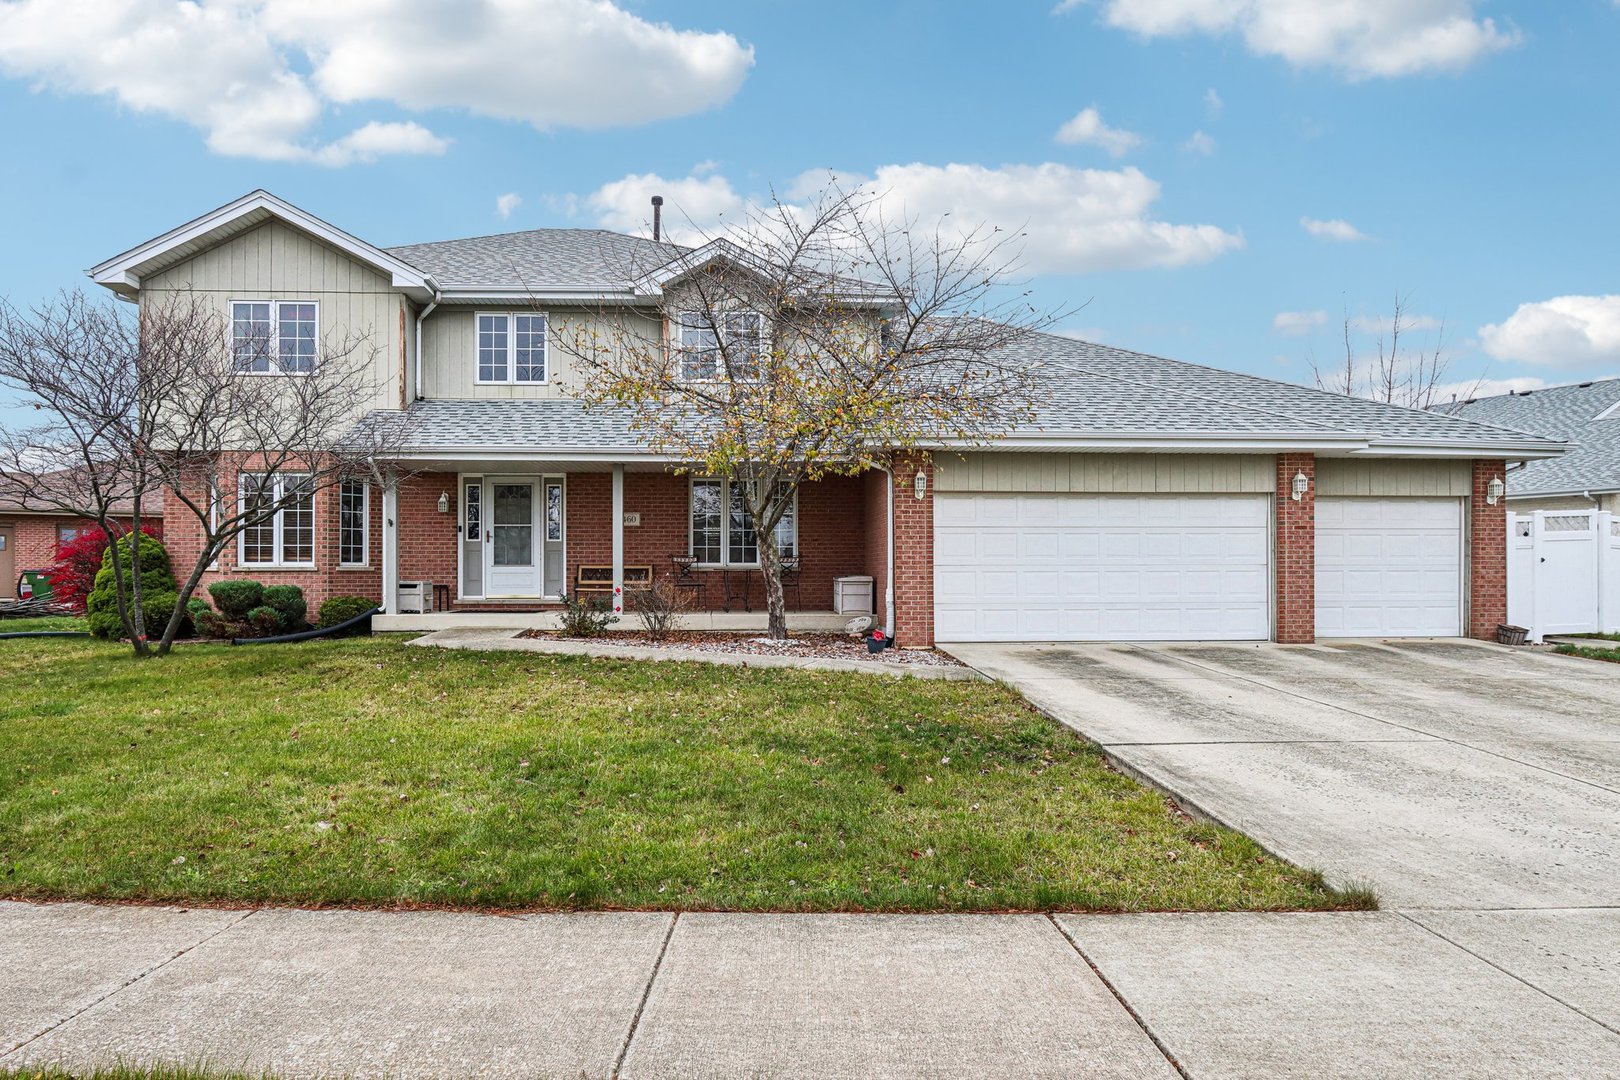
{"points": [[1227, 442], [116, 271], [1537, 493]]}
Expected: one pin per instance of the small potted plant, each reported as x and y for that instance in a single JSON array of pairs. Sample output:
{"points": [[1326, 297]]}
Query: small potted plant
{"points": [[876, 641]]}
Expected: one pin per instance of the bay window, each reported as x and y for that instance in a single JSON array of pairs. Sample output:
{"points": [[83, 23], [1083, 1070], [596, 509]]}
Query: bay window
{"points": [[282, 509], [722, 530]]}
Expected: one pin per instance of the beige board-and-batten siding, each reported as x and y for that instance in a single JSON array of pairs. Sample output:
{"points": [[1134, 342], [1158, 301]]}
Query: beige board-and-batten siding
{"points": [[450, 343], [277, 262], [1134, 474], [1336, 477]]}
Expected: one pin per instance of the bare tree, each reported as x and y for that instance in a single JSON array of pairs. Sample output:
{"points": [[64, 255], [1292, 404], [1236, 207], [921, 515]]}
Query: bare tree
{"points": [[815, 341], [1398, 374], [171, 401]]}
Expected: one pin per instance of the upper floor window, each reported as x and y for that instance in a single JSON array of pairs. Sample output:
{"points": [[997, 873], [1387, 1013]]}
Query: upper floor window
{"points": [[512, 348], [699, 338], [274, 336]]}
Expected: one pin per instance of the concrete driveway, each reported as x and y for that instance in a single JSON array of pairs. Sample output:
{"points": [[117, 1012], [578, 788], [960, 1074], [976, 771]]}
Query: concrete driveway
{"points": [[1447, 774]]}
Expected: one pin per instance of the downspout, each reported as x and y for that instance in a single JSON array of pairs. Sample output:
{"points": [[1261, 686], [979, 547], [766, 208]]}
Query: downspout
{"points": [[888, 580], [417, 394]]}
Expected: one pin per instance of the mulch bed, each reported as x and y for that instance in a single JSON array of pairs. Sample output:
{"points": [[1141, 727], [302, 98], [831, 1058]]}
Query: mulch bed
{"points": [[823, 646]]}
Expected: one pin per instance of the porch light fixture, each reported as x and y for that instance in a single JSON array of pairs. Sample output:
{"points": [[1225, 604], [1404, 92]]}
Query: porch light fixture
{"points": [[444, 502], [919, 484], [1302, 484], [1494, 491]]}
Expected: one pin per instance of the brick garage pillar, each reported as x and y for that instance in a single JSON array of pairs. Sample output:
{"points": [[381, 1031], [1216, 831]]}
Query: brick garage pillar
{"points": [[1487, 553], [913, 554], [1295, 551]]}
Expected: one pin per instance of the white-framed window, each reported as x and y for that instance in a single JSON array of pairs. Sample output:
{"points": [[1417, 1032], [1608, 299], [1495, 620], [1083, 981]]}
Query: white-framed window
{"points": [[698, 341], [511, 347], [275, 337], [722, 530], [354, 523], [286, 536]]}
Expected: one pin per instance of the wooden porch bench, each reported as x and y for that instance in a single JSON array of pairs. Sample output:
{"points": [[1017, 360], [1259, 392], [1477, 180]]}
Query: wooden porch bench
{"points": [[598, 580]]}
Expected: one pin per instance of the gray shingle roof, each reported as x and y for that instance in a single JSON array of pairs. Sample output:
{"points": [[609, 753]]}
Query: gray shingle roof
{"points": [[1091, 391], [538, 257], [1561, 412]]}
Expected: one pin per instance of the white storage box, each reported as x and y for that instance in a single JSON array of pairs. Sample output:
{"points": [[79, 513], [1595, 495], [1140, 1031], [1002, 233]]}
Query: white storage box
{"points": [[415, 598], [852, 595]]}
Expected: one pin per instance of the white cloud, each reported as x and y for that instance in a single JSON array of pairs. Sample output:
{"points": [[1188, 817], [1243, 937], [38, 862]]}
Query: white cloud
{"points": [[1199, 143], [1075, 220], [1087, 127], [1566, 331], [1298, 323], [1215, 106], [236, 69], [505, 204], [1360, 38], [1336, 229]]}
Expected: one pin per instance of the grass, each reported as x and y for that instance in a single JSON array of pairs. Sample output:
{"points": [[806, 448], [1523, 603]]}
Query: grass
{"points": [[368, 772], [43, 622], [1592, 652]]}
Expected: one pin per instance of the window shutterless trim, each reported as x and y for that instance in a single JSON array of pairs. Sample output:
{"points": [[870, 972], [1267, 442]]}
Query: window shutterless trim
{"points": [[510, 318], [276, 523], [365, 526], [274, 347], [721, 334], [725, 525]]}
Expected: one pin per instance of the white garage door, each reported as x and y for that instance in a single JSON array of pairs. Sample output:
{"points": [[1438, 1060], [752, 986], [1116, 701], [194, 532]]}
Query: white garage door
{"points": [[1101, 567], [1388, 567]]}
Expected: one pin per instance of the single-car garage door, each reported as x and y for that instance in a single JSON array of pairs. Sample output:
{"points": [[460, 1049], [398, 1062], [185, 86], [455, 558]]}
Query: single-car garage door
{"points": [[1067, 567], [1388, 567]]}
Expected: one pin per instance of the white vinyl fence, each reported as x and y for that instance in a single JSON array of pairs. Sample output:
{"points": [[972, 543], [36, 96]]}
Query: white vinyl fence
{"points": [[1564, 572]]}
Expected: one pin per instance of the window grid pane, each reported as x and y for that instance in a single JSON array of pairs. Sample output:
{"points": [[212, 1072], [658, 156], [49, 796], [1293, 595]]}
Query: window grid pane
{"points": [[706, 520], [492, 348], [529, 340], [554, 512], [699, 349], [744, 341], [742, 543], [259, 539], [472, 501], [296, 340], [298, 521], [352, 524], [250, 336]]}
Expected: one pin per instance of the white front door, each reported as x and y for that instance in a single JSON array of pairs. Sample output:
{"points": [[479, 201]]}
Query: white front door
{"points": [[1388, 567], [1101, 567], [511, 536]]}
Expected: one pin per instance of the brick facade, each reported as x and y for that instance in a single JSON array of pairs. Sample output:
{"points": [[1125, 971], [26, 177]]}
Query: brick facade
{"points": [[913, 554], [1487, 554], [1295, 552], [35, 539]]}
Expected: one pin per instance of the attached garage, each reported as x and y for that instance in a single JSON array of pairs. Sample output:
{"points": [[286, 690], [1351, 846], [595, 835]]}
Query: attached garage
{"points": [[1390, 538], [1074, 563]]}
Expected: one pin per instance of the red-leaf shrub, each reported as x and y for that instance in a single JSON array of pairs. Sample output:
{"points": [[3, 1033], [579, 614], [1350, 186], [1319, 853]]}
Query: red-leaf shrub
{"points": [[73, 574]]}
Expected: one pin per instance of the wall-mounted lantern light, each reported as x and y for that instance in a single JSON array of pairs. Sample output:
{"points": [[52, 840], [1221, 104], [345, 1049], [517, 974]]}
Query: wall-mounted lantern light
{"points": [[444, 502], [1494, 491], [919, 484], [1302, 484]]}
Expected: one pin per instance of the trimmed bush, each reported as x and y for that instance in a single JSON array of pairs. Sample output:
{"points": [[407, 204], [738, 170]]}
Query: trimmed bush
{"points": [[340, 609], [157, 582], [264, 620], [209, 623], [586, 616], [237, 597], [288, 600]]}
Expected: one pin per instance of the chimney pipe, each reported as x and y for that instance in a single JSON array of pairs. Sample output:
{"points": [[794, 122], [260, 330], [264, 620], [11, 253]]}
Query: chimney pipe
{"points": [[658, 216]]}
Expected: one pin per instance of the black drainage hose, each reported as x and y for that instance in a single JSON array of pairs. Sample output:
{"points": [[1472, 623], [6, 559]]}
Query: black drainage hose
{"points": [[311, 635]]}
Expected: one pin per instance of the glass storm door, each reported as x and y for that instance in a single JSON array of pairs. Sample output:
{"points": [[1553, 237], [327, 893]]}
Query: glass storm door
{"points": [[511, 537]]}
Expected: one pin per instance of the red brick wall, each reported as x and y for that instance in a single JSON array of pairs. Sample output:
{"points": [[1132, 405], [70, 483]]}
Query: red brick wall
{"points": [[1296, 552], [1487, 554], [913, 555], [427, 538]]}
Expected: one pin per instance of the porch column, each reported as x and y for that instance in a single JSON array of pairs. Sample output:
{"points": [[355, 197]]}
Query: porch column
{"points": [[390, 544], [1295, 549], [1487, 552], [618, 539]]}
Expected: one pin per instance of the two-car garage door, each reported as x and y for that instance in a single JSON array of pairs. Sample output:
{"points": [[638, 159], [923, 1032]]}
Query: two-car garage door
{"points": [[1073, 567], [1070, 567]]}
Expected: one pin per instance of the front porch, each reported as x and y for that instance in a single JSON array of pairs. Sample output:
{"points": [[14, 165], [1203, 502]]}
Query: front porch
{"points": [[740, 622]]}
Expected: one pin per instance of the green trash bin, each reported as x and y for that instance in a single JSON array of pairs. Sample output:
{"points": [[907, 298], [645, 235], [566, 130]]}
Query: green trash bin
{"points": [[36, 584]]}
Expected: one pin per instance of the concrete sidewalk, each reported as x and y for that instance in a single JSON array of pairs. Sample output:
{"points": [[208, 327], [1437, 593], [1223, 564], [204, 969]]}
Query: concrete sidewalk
{"points": [[305, 993]]}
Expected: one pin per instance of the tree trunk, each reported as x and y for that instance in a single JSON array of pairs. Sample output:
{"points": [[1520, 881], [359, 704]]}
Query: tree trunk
{"points": [[770, 564]]}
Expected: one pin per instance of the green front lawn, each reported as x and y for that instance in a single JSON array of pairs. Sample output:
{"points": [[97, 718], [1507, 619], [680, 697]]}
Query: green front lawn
{"points": [[1611, 653], [371, 772], [43, 622]]}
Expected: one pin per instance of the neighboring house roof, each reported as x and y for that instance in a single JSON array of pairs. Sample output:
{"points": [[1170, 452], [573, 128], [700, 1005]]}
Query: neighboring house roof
{"points": [[1095, 397], [123, 272], [1585, 414], [67, 493], [551, 258]]}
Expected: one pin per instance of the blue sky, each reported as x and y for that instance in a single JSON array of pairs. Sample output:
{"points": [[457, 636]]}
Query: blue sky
{"points": [[1254, 169]]}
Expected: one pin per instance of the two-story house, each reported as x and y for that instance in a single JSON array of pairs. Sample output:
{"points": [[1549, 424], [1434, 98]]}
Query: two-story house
{"points": [[1149, 499]]}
